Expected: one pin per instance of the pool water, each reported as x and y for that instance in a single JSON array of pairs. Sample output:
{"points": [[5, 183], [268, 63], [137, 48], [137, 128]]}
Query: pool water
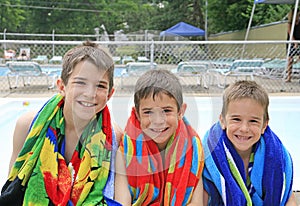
{"points": [[4, 70]]}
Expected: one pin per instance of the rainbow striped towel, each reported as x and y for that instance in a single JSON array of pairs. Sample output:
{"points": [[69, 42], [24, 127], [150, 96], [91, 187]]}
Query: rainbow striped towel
{"points": [[152, 182]]}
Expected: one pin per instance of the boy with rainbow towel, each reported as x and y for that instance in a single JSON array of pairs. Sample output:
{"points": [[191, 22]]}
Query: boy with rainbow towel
{"points": [[160, 158]]}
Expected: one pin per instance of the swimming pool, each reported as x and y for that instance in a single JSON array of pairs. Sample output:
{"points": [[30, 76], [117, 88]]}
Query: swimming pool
{"points": [[57, 68], [202, 112]]}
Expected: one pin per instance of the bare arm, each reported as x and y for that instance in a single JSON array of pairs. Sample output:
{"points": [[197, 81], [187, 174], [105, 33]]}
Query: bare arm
{"points": [[122, 194], [20, 134], [197, 198], [292, 201], [205, 198], [289, 29]]}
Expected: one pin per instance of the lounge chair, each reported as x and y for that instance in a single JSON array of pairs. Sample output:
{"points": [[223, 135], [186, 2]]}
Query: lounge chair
{"points": [[127, 59], [275, 68], [56, 60], [142, 59], [116, 59], [196, 69], [135, 69], [26, 70], [239, 68], [41, 59]]}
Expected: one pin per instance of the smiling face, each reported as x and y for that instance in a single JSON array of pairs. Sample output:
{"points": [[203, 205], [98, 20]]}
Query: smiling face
{"points": [[244, 124], [159, 117], [86, 92]]}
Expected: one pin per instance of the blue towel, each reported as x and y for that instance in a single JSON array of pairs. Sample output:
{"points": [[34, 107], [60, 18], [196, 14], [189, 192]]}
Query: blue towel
{"points": [[224, 177]]}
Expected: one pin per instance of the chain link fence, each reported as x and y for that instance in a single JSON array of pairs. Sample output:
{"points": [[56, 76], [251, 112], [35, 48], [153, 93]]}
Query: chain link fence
{"points": [[192, 61]]}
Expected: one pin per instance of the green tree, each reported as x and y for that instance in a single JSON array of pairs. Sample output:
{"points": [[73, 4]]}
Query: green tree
{"points": [[83, 16], [230, 15], [11, 16]]}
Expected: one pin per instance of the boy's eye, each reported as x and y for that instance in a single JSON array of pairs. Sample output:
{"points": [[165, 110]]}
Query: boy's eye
{"points": [[79, 82], [167, 110], [102, 86], [148, 112], [236, 119], [254, 121]]}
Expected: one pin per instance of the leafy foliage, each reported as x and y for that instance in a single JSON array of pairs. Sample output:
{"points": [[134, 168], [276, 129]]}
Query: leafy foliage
{"points": [[83, 16]]}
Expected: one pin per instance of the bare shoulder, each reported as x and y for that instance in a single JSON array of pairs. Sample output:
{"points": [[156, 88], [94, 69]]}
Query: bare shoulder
{"points": [[22, 126], [20, 133], [24, 121]]}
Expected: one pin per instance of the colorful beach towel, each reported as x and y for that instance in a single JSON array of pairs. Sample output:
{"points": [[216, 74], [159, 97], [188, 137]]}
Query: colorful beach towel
{"points": [[154, 182], [40, 175], [224, 178]]}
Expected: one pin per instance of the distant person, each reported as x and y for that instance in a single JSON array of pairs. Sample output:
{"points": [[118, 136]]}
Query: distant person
{"points": [[9, 54], [23, 55], [160, 158], [64, 154], [294, 47], [245, 161]]}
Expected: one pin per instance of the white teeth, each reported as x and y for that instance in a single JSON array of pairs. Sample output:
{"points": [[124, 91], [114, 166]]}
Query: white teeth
{"points": [[87, 104], [243, 137], [158, 130]]}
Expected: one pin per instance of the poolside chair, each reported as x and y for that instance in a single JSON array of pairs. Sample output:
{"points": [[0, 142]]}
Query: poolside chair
{"points": [[192, 69], [135, 69], [223, 62], [116, 59], [127, 59], [41, 59], [26, 70], [239, 68], [56, 60], [142, 59], [275, 68]]}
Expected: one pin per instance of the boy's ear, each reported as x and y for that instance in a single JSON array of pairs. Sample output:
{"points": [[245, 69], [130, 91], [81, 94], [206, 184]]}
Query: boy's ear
{"points": [[222, 121], [136, 113], [182, 110], [112, 91], [264, 127], [60, 86]]}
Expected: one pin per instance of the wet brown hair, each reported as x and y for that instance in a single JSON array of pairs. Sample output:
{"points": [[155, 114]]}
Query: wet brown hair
{"points": [[92, 52], [155, 82]]}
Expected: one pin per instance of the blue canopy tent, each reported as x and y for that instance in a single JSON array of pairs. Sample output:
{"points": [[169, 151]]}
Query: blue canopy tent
{"points": [[183, 29]]}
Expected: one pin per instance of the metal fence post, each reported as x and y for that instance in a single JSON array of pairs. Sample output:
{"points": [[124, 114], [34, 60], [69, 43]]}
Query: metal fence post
{"points": [[4, 38], [53, 39], [97, 33], [152, 54]]}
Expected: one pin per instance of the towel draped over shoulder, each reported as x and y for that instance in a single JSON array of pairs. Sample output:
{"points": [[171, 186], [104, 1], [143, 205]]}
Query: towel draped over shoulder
{"points": [[157, 180], [224, 178], [40, 175]]}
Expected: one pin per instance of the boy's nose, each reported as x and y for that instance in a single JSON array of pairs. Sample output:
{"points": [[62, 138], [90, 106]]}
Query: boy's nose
{"points": [[244, 127], [158, 117], [90, 91]]}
